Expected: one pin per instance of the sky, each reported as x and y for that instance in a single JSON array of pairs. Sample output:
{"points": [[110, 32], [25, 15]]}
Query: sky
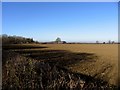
{"points": [[71, 21]]}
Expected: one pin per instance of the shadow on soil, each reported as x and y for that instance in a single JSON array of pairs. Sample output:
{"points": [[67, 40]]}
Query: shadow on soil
{"points": [[61, 59], [12, 47]]}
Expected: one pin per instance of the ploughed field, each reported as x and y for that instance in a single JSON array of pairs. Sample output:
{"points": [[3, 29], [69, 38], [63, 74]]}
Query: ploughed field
{"points": [[98, 61]]}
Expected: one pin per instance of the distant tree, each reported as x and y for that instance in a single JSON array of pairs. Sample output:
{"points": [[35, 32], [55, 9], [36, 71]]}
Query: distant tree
{"points": [[103, 42], [4, 35], [97, 42], [15, 39], [32, 40], [36, 42], [113, 42], [109, 41], [58, 40], [64, 42]]}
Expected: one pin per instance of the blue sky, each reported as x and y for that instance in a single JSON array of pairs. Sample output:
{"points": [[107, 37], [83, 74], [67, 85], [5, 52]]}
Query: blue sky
{"points": [[86, 22]]}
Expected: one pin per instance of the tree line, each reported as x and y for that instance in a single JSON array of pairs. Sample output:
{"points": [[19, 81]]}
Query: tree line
{"points": [[6, 39]]}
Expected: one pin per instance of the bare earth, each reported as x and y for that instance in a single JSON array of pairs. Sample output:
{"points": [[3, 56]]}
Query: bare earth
{"points": [[105, 66]]}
